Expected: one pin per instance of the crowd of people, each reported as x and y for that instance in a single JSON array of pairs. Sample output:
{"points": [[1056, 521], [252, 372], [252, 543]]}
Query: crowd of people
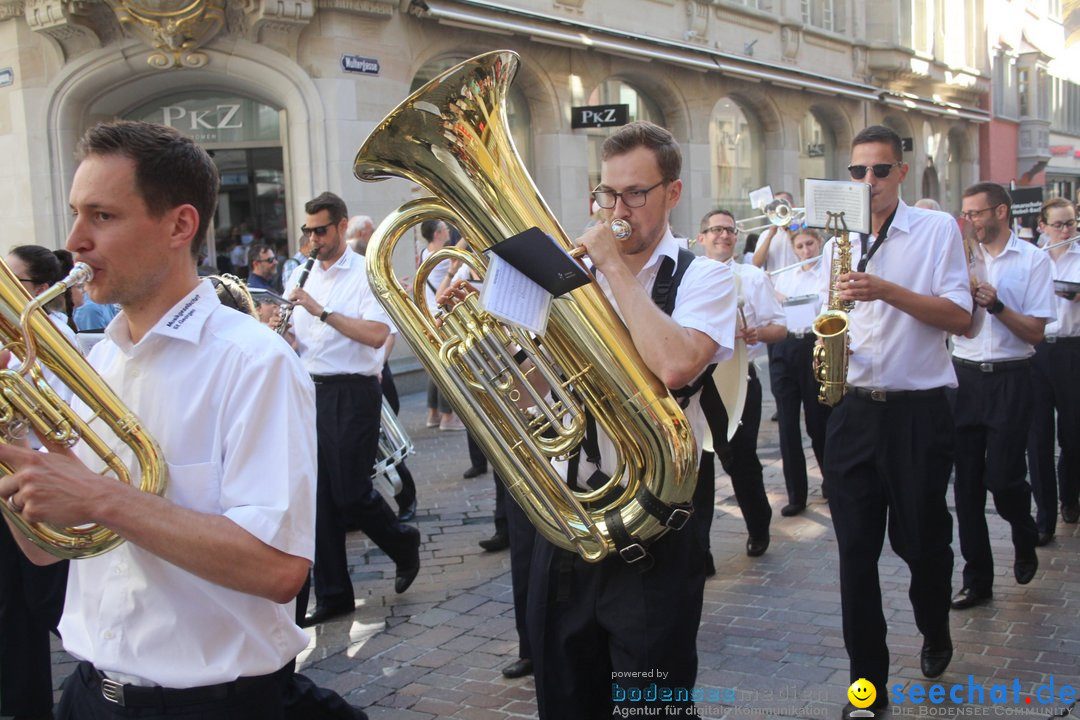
{"points": [[960, 350]]}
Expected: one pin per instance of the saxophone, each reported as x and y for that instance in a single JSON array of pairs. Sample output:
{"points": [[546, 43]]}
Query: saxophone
{"points": [[831, 326]]}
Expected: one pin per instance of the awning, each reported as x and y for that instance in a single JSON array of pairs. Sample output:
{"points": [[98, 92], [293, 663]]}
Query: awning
{"points": [[540, 27]]}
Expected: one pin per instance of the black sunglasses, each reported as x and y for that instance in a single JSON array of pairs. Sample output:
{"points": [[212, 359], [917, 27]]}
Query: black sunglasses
{"points": [[881, 170], [320, 230]]}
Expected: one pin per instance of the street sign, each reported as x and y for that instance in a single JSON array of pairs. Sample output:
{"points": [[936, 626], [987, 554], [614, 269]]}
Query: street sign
{"points": [[358, 64]]}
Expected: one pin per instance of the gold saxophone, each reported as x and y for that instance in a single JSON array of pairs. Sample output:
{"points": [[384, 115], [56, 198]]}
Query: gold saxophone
{"points": [[27, 401], [831, 326], [452, 138]]}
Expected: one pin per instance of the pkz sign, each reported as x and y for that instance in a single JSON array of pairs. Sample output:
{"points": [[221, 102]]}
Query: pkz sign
{"points": [[596, 116], [357, 64]]}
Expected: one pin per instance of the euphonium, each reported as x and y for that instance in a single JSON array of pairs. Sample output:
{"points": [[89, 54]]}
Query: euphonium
{"points": [[831, 326], [451, 137], [27, 400]]}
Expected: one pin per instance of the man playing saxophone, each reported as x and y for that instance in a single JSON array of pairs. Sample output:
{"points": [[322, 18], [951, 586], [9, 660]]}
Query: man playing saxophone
{"points": [[192, 614], [598, 629], [889, 442]]}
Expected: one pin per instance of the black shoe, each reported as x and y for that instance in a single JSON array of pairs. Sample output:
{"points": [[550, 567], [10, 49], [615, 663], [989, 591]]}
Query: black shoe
{"points": [[756, 547], [792, 509], [521, 668], [1025, 565], [407, 513], [473, 471], [1044, 538], [495, 543], [968, 598], [1070, 513], [710, 567], [877, 710], [408, 572], [935, 656], [326, 612], [774, 417]]}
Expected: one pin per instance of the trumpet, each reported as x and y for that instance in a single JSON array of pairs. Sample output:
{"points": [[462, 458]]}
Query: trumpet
{"points": [[778, 213], [286, 310]]}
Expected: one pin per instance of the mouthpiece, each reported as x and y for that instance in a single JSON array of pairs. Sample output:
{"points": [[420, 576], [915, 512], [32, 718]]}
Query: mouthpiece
{"points": [[621, 229]]}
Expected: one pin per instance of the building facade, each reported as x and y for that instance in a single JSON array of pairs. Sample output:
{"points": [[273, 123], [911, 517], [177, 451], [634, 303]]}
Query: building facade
{"points": [[759, 92]]}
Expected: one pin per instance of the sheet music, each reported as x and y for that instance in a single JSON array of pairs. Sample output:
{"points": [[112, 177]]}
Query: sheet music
{"points": [[850, 198], [513, 298], [761, 197]]}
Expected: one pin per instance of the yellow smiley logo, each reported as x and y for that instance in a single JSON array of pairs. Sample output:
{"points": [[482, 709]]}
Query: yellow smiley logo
{"points": [[862, 693]]}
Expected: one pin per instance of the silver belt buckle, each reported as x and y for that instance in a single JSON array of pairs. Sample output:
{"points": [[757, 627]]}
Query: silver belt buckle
{"points": [[877, 395], [1051, 339], [112, 690], [986, 367]]}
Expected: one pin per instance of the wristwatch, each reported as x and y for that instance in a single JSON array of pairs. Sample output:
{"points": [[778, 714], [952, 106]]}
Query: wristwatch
{"points": [[997, 307], [326, 312]]}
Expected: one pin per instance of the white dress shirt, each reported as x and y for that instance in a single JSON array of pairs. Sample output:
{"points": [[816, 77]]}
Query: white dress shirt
{"points": [[758, 301], [706, 302], [781, 254], [234, 414], [344, 288], [891, 350], [434, 279], [1021, 274], [1066, 267], [800, 282]]}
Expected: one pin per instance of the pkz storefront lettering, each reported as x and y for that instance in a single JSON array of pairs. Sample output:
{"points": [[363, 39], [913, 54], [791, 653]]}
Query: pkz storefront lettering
{"points": [[220, 117], [357, 64]]}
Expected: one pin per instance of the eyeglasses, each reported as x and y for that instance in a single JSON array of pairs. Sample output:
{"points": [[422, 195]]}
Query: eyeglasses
{"points": [[320, 230], [722, 229], [881, 170], [972, 214], [631, 198], [1063, 224]]}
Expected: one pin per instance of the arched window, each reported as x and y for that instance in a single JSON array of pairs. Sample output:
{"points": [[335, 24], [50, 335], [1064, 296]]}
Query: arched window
{"points": [[817, 149], [737, 157], [617, 92], [956, 158], [517, 107]]}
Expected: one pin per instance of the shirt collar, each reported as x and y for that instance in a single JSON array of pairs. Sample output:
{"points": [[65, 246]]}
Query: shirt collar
{"points": [[902, 219], [184, 321], [667, 247], [344, 262]]}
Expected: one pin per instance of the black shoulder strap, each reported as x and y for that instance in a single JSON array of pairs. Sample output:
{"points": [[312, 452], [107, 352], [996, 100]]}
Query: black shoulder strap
{"points": [[666, 287]]}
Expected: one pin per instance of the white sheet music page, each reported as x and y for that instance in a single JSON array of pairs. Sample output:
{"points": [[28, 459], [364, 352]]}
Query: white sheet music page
{"points": [[761, 197], [846, 196], [513, 298]]}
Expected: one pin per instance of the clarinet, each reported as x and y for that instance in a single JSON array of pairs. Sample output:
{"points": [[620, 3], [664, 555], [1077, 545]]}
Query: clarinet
{"points": [[286, 310]]}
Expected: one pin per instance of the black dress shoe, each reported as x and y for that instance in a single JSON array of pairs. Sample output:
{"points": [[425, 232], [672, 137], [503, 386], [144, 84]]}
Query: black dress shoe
{"points": [[407, 513], [473, 471], [968, 598], [756, 547], [710, 567], [875, 711], [1044, 538], [935, 656], [406, 573], [1070, 513], [521, 668], [1025, 566], [322, 613], [792, 509], [495, 543]]}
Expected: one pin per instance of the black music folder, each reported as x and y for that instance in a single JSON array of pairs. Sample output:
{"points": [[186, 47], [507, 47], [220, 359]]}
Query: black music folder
{"points": [[537, 256]]}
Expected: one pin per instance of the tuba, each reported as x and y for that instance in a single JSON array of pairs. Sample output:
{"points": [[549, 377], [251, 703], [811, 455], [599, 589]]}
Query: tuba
{"points": [[451, 137], [831, 326], [27, 401]]}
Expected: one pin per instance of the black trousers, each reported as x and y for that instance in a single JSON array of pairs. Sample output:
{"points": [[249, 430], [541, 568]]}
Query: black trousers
{"points": [[476, 455], [347, 417], [740, 461], [407, 496], [888, 466], [794, 386], [591, 622], [257, 699], [1055, 390], [522, 536], [993, 411], [31, 602]]}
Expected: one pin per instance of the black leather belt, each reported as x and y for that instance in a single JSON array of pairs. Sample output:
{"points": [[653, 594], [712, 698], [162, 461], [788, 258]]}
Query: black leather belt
{"points": [[343, 378], [155, 696], [893, 395], [1063, 340], [799, 335], [991, 367]]}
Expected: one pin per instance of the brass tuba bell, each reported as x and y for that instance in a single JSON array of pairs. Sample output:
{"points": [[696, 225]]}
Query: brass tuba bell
{"points": [[26, 400], [452, 138]]}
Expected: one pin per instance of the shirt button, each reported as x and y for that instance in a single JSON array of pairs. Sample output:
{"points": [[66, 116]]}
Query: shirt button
{"points": [[107, 634]]}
